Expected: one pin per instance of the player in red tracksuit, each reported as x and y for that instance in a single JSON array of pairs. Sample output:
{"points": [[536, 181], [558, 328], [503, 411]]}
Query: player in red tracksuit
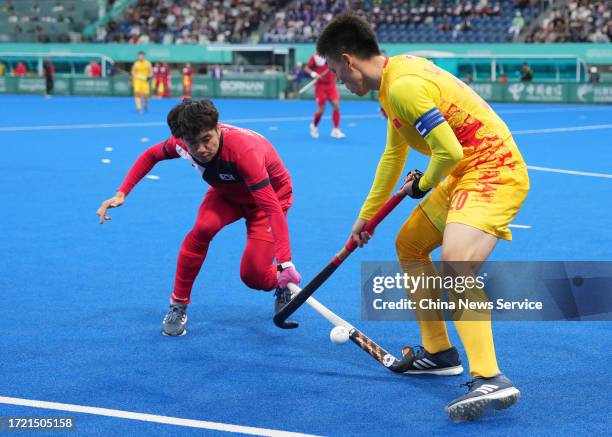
{"points": [[325, 89], [248, 180], [164, 73], [187, 80], [156, 79]]}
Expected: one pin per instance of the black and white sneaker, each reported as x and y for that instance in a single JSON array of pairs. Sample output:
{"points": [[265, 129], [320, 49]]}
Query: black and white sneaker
{"points": [[483, 394], [418, 361], [282, 298], [175, 320]]}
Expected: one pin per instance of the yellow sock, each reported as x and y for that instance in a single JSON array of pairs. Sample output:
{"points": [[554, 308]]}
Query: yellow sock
{"points": [[474, 327], [477, 339], [415, 241]]}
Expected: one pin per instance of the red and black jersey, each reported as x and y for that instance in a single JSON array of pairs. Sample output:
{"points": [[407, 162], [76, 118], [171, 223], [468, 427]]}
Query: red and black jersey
{"points": [[318, 65], [246, 170]]}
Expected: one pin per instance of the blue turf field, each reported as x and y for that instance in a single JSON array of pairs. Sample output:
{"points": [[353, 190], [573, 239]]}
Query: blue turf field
{"points": [[82, 303]]}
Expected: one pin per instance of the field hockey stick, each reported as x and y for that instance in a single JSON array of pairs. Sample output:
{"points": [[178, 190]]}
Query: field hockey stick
{"points": [[312, 82], [280, 318], [364, 342]]}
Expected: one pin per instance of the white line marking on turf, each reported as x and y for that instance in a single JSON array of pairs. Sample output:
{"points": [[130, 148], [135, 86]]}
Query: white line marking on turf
{"points": [[144, 140], [519, 226], [106, 161], [273, 128], [108, 149], [572, 172], [152, 177], [562, 129], [269, 120], [163, 123], [80, 126], [216, 426], [543, 110]]}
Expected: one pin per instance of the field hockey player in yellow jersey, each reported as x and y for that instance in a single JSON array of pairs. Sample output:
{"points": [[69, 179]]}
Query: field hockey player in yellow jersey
{"points": [[141, 73], [478, 182]]}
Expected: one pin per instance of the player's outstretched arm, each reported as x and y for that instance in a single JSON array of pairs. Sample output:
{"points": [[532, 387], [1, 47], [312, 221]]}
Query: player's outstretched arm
{"points": [[114, 202]]}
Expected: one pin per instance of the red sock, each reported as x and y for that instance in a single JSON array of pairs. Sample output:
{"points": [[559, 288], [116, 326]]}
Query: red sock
{"points": [[317, 118], [190, 259], [336, 119]]}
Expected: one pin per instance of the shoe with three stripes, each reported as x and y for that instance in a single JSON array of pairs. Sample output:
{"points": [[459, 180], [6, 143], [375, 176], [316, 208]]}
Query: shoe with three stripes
{"points": [[483, 394], [417, 361]]}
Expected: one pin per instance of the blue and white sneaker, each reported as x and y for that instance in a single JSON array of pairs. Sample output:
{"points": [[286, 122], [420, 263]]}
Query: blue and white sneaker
{"points": [[417, 361], [483, 394]]}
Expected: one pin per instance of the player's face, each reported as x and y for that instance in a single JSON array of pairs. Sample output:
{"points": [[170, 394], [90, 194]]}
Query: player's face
{"points": [[205, 146], [346, 72]]}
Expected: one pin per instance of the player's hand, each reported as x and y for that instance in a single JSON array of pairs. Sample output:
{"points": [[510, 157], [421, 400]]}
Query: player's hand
{"points": [[406, 188], [287, 275], [113, 202], [314, 75], [358, 234]]}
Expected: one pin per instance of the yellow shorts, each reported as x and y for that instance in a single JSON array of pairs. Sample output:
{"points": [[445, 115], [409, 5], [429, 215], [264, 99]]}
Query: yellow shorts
{"points": [[141, 86], [484, 199]]}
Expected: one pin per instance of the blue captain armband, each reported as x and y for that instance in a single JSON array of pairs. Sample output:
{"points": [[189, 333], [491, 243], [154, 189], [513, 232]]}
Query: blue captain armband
{"points": [[428, 121]]}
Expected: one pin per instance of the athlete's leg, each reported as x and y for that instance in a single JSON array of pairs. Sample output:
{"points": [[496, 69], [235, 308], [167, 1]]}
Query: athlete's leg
{"points": [[137, 96], [258, 269], [417, 238], [470, 247], [214, 213]]}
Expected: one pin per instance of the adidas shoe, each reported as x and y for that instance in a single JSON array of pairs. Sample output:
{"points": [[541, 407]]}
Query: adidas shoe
{"points": [[417, 361], [175, 320], [337, 133], [314, 131], [483, 394]]}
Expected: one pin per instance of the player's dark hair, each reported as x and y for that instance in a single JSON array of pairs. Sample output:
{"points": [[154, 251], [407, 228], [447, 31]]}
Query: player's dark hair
{"points": [[190, 117], [347, 33]]}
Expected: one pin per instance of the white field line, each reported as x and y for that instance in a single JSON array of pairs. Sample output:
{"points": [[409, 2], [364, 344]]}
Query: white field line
{"points": [[572, 172], [163, 123], [519, 226], [191, 423], [562, 129]]}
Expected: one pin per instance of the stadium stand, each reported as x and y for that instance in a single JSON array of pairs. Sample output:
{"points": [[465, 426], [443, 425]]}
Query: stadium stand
{"points": [[44, 20], [416, 21], [575, 21], [191, 21]]}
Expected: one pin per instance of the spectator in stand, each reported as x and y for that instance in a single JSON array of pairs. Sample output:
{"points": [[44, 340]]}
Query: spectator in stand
{"points": [[20, 70], [2, 69], [502, 78], [518, 22], [593, 75], [526, 73]]}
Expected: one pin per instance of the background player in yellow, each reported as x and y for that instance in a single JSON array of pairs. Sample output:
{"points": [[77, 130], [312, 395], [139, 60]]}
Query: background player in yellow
{"points": [[141, 73], [479, 182]]}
